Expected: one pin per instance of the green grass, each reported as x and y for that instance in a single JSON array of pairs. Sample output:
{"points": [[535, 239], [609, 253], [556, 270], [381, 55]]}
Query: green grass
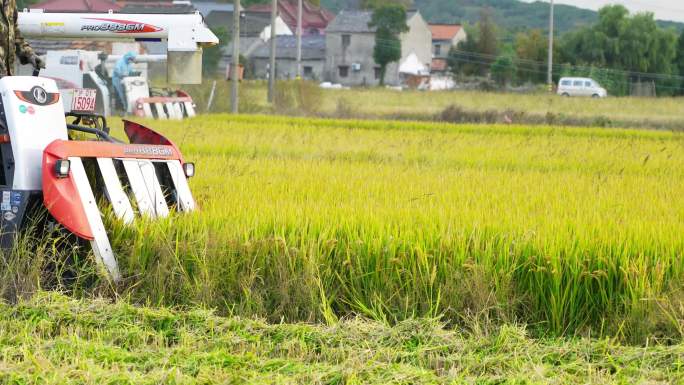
{"points": [[52, 339]]}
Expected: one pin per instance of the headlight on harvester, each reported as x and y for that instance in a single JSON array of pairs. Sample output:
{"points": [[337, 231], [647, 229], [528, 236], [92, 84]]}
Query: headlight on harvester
{"points": [[189, 169], [62, 168]]}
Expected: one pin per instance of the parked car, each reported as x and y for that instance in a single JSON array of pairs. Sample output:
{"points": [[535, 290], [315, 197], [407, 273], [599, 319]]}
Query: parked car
{"points": [[581, 87]]}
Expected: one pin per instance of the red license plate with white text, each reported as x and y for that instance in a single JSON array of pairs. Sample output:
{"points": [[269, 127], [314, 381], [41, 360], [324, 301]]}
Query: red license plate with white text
{"points": [[84, 100]]}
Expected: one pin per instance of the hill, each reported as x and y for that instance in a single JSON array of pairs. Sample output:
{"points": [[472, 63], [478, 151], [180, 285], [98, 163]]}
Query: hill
{"points": [[512, 15]]}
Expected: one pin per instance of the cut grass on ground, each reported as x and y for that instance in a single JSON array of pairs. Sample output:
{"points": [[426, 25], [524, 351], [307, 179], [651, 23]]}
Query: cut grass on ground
{"points": [[55, 340]]}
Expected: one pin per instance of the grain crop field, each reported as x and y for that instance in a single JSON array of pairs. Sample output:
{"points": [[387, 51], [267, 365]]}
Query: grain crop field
{"points": [[379, 103], [565, 232]]}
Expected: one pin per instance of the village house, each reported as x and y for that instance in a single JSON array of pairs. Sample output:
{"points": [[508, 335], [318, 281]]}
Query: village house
{"points": [[255, 28], [255, 33], [444, 37], [349, 50], [315, 19], [313, 58]]}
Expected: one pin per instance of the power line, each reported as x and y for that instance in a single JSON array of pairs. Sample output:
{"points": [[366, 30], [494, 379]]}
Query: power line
{"points": [[556, 67], [543, 72], [663, 76]]}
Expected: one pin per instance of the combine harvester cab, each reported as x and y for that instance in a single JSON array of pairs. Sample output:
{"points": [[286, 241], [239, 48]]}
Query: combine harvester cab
{"points": [[42, 167]]}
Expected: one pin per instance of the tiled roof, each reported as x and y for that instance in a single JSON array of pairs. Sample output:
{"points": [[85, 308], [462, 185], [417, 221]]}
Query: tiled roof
{"points": [[354, 21], [313, 17], [77, 5], [313, 48], [444, 31], [251, 23], [206, 7], [351, 21]]}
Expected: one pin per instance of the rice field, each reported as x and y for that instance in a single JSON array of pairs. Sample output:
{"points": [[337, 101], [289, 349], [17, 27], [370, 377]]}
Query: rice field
{"points": [[347, 252], [568, 232]]}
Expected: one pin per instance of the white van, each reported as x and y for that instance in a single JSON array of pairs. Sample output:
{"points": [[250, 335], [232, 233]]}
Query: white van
{"points": [[581, 87]]}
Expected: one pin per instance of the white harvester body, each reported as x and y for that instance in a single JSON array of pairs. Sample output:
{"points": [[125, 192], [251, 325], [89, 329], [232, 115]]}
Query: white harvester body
{"points": [[185, 35], [31, 127], [42, 167]]}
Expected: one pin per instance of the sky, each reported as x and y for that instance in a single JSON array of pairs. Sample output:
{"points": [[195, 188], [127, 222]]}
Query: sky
{"points": [[663, 9]]}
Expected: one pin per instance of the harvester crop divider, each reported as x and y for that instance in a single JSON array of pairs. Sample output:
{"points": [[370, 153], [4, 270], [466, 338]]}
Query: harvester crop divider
{"points": [[100, 242], [146, 189], [115, 192], [184, 195]]}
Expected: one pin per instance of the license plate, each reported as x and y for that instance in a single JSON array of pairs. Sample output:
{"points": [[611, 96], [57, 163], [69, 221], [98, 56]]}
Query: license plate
{"points": [[84, 100]]}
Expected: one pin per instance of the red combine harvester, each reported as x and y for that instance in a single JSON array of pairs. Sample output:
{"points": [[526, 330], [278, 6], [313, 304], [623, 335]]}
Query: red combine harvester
{"points": [[43, 168]]}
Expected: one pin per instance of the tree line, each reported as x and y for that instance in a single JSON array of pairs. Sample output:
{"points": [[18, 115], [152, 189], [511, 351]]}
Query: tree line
{"points": [[619, 51]]}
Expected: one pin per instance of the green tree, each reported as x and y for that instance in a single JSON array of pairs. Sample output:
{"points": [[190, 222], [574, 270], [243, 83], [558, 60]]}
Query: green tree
{"points": [[475, 55], [503, 70], [487, 43], [212, 56], [374, 4], [532, 48], [625, 44], [21, 4], [679, 61], [389, 21], [462, 59]]}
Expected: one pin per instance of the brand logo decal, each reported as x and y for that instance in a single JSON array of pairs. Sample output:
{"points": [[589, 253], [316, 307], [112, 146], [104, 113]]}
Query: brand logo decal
{"points": [[119, 26], [39, 95], [148, 150]]}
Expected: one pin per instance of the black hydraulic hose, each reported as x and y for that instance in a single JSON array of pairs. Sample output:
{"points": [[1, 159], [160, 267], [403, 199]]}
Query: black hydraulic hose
{"points": [[89, 130]]}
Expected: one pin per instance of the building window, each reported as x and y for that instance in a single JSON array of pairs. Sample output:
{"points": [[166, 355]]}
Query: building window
{"points": [[308, 71], [343, 71], [377, 72], [346, 41], [438, 49]]}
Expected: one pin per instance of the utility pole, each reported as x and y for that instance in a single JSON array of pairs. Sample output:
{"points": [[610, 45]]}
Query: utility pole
{"points": [[299, 39], [234, 67], [550, 74], [272, 61]]}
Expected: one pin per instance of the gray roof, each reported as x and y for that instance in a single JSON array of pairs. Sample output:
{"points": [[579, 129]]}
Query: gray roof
{"points": [[247, 46], [251, 23], [313, 48], [205, 7], [351, 21], [357, 21]]}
